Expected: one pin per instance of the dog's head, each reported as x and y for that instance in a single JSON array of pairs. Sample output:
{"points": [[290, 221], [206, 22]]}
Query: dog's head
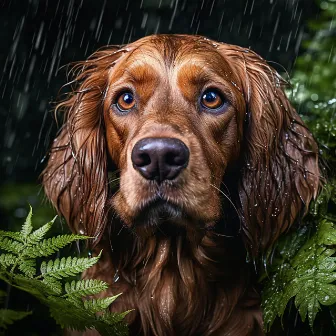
{"points": [[189, 124]]}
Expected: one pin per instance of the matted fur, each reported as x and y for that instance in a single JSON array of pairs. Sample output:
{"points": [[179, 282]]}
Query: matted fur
{"points": [[252, 173]]}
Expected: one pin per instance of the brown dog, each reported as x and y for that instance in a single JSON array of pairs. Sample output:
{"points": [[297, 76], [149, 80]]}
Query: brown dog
{"points": [[214, 163]]}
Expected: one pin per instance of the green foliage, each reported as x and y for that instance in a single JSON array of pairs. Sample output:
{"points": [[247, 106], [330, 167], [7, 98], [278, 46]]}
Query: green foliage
{"points": [[70, 302], [305, 269], [8, 316], [303, 266]]}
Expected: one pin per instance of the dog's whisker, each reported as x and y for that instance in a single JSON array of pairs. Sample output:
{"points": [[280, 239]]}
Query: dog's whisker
{"points": [[228, 198]]}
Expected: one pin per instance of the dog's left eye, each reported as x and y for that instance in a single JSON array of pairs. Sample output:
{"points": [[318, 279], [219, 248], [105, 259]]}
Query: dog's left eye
{"points": [[125, 101], [211, 99]]}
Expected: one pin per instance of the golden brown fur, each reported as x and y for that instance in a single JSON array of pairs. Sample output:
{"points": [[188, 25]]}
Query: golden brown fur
{"points": [[252, 172]]}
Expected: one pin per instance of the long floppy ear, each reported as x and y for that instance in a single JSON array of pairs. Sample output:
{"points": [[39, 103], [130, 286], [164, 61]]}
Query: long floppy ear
{"points": [[279, 162], [75, 178]]}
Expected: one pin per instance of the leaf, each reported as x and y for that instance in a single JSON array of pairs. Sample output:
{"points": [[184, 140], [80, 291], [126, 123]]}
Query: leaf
{"points": [[98, 305], [27, 226], [66, 305], [79, 289], [49, 246], [33, 286], [14, 235], [308, 277], [7, 260], [28, 267], [71, 316], [53, 284], [274, 296], [11, 245], [65, 267], [38, 234], [8, 316], [290, 244], [327, 233], [112, 317]]}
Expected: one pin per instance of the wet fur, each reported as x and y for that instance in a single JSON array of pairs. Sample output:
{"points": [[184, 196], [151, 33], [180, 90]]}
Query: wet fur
{"points": [[178, 251]]}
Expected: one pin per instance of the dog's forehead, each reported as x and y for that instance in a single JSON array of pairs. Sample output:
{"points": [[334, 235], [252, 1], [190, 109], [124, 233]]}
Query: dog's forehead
{"points": [[160, 60]]}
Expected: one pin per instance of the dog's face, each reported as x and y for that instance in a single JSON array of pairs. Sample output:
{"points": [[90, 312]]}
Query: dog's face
{"points": [[173, 124], [175, 114]]}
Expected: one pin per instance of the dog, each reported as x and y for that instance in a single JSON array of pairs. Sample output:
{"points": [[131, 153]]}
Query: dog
{"points": [[183, 158]]}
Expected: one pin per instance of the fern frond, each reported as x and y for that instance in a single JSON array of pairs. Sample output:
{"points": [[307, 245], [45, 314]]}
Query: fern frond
{"points": [[28, 267], [71, 316], [33, 286], [10, 245], [112, 317], [53, 284], [27, 227], [8, 316], [7, 260], [49, 246], [327, 233], [79, 289], [38, 234], [18, 268], [65, 267], [98, 305], [14, 235], [307, 272]]}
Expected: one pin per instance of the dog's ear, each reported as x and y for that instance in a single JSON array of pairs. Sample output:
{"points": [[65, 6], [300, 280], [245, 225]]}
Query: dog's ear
{"points": [[75, 178], [279, 172]]}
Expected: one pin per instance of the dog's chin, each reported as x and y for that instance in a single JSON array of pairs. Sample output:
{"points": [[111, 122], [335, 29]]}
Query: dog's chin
{"points": [[161, 217]]}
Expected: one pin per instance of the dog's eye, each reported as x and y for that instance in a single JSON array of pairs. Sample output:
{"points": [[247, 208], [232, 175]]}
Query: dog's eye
{"points": [[125, 101], [212, 99]]}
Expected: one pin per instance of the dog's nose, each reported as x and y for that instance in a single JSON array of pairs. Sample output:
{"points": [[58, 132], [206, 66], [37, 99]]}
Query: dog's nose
{"points": [[160, 158]]}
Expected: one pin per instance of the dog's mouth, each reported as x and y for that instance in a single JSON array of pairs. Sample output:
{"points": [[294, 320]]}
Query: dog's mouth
{"points": [[162, 217], [157, 211]]}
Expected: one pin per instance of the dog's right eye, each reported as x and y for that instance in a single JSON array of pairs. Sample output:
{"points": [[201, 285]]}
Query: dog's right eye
{"points": [[125, 102]]}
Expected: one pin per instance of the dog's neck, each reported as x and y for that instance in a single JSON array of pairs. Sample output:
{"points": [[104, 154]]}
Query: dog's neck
{"points": [[174, 281]]}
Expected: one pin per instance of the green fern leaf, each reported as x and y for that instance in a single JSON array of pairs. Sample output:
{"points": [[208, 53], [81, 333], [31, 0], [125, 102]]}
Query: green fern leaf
{"points": [[98, 305], [7, 260], [66, 305], [327, 233], [71, 316], [14, 235], [38, 234], [275, 297], [10, 245], [307, 273], [65, 267], [79, 289], [315, 271], [27, 227], [53, 284], [33, 286], [112, 318], [49, 246], [8, 316], [28, 267], [115, 323]]}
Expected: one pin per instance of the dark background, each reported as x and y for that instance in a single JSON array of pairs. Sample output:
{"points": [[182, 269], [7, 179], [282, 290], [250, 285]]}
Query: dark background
{"points": [[37, 37]]}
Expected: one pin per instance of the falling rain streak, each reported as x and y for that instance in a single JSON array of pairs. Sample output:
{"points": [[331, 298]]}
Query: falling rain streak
{"points": [[41, 37]]}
